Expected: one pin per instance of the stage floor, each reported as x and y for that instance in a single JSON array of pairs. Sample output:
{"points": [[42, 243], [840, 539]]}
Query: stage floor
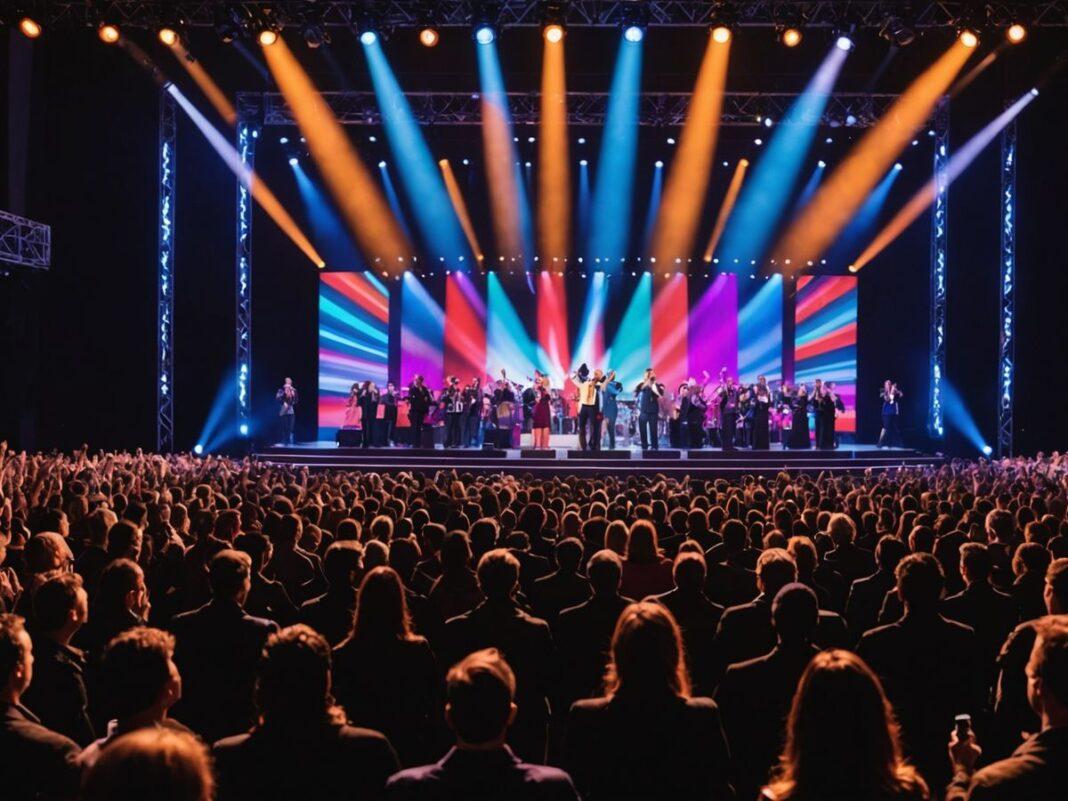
{"points": [[563, 461]]}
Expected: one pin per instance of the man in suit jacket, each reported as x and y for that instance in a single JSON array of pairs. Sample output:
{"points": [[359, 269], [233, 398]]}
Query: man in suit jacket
{"points": [[697, 617], [926, 664], [563, 588], [481, 695], [1035, 771], [866, 594], [58, 695], [218, 649], [992, 614], [35, 761], [419, 402], [525, 642], [755, 696], [584, 632], [649, 393]]}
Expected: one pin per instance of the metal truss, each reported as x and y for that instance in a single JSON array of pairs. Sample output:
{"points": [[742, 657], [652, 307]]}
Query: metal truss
{"points": [[247, 134], [1007, 291], [583, 108], [391, 14], [939, 261], [25, 243], [168, 137]]}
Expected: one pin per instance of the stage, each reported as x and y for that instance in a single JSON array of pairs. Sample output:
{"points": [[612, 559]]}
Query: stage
{"points": [[561, 461]]}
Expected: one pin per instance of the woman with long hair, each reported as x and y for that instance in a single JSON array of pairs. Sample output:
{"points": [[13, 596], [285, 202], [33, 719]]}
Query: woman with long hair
{"points": [[646, 571], [842, 740], [385, 676], [647, 737]]}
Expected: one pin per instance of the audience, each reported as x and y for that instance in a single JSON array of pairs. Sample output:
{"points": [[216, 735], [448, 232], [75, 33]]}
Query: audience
{"points": [[742, 581]]}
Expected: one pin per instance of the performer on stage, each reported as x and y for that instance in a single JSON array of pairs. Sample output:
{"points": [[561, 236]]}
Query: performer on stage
{"points": [[679, 427], [590, 408], [419, 402], [649, 393], [472, 397], [799, 435], [826, 411], [352, 407], [815, 399], [287, 395], [612, 388], [541, 413], [453, 402], [368, 412], [839, 409], [389, 411], [727, 394], [891, 433], [760, 401], [695, 415]]}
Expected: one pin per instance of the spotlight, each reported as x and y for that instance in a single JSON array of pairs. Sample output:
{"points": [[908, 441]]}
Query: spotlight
{"points": [[851, 119], [582, 140], [896, 32], [790, 37], [659, 164], [583, 163], [987, 450], [758, 142], [243, 428], [768, 122], [553, 33], [1015, 33], [821, 164], [284, 140], [198, 449], [108, 33], [633, 33], [381, 165], [898, 166], [168, 36], [465, 162], [368, 38], [968, 38], [315, 35], [721, 34], [30, 27], [429, 37], [267, 37], [293, 161], [844, 43], [485, 34]]}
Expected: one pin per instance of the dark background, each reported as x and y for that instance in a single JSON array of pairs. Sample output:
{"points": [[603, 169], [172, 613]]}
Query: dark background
{"points": [[79, 347]]}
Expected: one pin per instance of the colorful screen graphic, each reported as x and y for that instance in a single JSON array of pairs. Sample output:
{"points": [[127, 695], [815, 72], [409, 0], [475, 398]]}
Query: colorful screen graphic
{"points": [[353, 341], [825, 337]]}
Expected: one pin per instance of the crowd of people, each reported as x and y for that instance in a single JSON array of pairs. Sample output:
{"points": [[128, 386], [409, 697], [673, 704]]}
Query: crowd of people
{"points": [[195, 628]]}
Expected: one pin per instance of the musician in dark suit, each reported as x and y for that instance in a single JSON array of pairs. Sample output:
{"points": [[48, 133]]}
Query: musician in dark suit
{"points": [[695, 415], [610, 401], [218, 648], [472, 412], [729, 396], [419, 402], [452, 400], [389, 411], [287, 396], [649, 392], [368, 400]]}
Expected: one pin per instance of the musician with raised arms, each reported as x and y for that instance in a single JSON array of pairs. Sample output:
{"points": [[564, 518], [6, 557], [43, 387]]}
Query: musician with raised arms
{"points": [[649, 392]]}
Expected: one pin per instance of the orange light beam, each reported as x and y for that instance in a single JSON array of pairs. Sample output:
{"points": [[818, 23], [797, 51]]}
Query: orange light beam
{"points": [[841, 195], [460, 207], [554, 174], [727, 206], [357, 193], [957, 163], [687, 183], [207, 85], [263, 195]]}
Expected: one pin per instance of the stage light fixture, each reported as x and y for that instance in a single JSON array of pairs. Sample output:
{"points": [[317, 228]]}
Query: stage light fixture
{"points": [[315, 35], [108, 33], [821, 164], [659, 164], [293, 161], [721, 34], [30, 27], [968, 38], [583, 163], [844, 42], [790, 37], [429, 37], [898, 166], [553, 33], [1016, 33], [267, 37], [168, 36], [897, 32], [198, 449], [381, 165], [633, 33], [368, 38], [987, 450], [243, 428]]}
